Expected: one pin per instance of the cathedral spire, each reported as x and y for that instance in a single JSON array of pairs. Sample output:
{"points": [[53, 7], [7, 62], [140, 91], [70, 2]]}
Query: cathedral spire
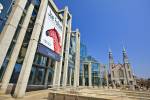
{"points": [[125, 57], [111, 60]]}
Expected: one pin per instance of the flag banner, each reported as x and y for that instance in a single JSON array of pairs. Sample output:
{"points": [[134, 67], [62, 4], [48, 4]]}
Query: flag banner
{"points": [[51, 35]]}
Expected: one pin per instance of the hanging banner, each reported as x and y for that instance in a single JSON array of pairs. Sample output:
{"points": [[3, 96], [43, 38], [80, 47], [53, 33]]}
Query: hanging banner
{"points": [[47, 52], [51, 36]]}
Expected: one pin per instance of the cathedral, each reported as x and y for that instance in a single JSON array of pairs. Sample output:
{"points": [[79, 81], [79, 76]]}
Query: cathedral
{"points": [[121, 74]]}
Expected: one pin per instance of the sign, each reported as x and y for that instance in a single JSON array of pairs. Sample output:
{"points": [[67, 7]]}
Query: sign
{"points": [[51, 36], [47, 52]]}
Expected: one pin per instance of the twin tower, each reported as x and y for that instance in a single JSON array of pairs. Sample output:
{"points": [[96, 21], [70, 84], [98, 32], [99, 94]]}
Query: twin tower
{"points": [[121, 74]]}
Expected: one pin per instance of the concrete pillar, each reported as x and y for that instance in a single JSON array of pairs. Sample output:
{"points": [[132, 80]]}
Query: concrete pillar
{"points": [[55, 74], [90, 74], [15, 53], [83, 77], [100, 69], [46, 78], [70, 77], [59, 68], [77, 59], [10, 27], [28, 61], [78, 53], [66, 60], [47, 74]]}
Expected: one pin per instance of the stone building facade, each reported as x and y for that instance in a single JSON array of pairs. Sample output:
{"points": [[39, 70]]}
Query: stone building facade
{"points": [[38, 48], [121, 74]]}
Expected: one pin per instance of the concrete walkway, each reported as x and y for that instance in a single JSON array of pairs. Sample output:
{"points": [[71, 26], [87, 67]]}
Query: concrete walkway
{"points": [[108, 94]]}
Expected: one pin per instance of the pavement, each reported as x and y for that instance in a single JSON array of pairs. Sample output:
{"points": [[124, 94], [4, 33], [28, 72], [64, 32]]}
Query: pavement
{"points": [[109, 94]]}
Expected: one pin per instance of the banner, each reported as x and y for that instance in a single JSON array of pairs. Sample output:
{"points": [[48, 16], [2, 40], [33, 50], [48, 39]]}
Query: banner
{"points": [[51, 36]]}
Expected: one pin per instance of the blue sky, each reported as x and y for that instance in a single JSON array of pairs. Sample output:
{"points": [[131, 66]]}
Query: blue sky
{"points": [[114, 23]]}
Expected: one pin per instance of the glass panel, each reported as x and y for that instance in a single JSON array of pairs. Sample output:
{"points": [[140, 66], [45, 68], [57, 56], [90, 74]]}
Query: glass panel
{"points": [[50, 77], [40, 60], [15, 73], [39, 76], [32, 76], [3, 68]]}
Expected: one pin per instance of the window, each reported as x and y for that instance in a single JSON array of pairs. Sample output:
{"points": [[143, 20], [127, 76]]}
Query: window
{"points": [[40, 60]]}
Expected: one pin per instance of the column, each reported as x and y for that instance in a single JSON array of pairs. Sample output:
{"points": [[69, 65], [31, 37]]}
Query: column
{"points": [[70, 77], [77, 59], [65, 70], [28, 61], [90, 74], [46, 77], [55, 74], [9, 30], [15, 53], [83, 77], [100, 81], [59, 68], [47, 73]]}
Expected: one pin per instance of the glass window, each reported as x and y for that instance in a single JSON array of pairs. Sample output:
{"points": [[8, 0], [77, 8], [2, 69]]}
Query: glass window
{"points": [[32, 76], [40, 60], [7, 6], [50, 77], [39, 76], [3, 68], [15, 73]]}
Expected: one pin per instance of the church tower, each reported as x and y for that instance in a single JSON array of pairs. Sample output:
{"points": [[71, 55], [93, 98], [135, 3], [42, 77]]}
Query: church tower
{"points": [[111, 65], [127, 67]]}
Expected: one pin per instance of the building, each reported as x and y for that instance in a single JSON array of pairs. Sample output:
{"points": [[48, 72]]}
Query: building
{"points": [[121, 74], [5, 9], [38, 47], [91, 71]]}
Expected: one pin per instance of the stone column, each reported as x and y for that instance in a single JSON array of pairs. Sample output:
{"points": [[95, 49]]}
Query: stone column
{"points": [[90, 74], [77, 59], [15, 53], [28, 61], [100, 84], [59, 68], [47, 73], [55, 74], [10, 27], [83, 77], [70, 77], [66, 60]]}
